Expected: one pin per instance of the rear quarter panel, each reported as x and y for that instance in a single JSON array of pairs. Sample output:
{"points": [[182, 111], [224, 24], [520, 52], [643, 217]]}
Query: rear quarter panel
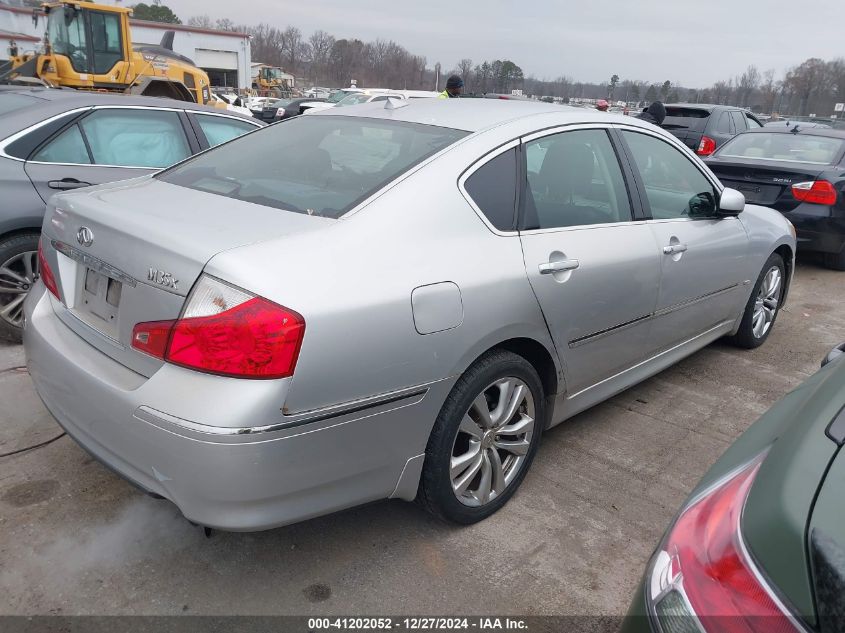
{"points": [[20, 206], [353, 283]]}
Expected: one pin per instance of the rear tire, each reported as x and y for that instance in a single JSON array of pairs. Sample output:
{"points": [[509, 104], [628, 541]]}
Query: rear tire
{"points": [[484, 439], [835, 261], [763, 305], [18, 272]]}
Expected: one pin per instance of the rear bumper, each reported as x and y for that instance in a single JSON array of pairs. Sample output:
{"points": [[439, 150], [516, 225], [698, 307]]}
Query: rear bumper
{"points": [[815, 232], [218, 477]]}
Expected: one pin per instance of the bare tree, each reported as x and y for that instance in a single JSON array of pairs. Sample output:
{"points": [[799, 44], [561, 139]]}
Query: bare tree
{"points": [[201, 21], [292, 51], [465, 71], [321, 47]]}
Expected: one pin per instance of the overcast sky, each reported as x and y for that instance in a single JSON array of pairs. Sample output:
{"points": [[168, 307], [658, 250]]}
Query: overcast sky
{"points": [[690, 42]]}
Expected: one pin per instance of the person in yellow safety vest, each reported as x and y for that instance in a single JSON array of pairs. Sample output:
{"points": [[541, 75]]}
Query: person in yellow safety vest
{"points": [[454, 87]]}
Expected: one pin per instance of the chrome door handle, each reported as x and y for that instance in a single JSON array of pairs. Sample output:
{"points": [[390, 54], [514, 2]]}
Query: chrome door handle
{"points": [[674, 249], [559, 266]]}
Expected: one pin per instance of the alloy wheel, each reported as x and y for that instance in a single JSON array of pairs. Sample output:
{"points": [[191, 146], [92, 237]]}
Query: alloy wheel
{"points": [[17, 276], [766, 305], [492, 441]]}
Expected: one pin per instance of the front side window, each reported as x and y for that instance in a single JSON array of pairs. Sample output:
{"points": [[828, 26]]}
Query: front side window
{"points": [[68, 147], [105, 41], [135, 138], [674, 186], [752, 123], [66, 32], [219, 129], [319, 165], [574, 179], [493, 189]]}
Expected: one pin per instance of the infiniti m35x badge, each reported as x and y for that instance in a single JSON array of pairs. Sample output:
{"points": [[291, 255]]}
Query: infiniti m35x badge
{"points": [[85, 236], [162, 278]]}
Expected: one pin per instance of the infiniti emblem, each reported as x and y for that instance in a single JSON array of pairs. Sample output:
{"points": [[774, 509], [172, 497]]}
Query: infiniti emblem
{"points": [[84, 236]]}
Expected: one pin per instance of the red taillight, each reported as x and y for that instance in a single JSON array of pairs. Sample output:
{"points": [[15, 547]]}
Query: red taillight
{"points": [[703, 570], [46, 272], [815, 192], [228, 332], [706, 147]]}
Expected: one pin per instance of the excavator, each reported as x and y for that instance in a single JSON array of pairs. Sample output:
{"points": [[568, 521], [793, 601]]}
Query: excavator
{"points": [[88, 46]]}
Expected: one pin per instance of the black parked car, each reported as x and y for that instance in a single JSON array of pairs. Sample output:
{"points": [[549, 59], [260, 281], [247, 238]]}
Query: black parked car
{"points": [[799, 172], [283, 109], [705, 128]]}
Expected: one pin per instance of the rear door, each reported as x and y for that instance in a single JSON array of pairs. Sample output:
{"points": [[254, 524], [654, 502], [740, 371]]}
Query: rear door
{"points": [[721, 127], [702, 257], [109, 144], [591, 261]]}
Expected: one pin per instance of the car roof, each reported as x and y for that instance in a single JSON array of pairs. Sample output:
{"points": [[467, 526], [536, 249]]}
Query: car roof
{"points": [[471, 115], [79, 98], [809, 131]]}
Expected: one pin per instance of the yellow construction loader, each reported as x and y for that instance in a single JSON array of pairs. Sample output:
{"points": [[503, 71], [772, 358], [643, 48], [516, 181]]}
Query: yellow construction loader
{"points": [[89, 46], [270, 81]]}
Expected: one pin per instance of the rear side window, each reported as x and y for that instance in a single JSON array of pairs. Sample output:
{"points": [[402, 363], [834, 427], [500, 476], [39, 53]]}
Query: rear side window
{"points": [[319, 165], [135, 138], [493, 189], [724, 124], [739, 121], [218, 129], [693, 119], [68, 147]]}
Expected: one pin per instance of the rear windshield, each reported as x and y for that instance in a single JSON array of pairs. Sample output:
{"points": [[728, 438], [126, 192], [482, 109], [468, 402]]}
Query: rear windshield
{"points": [[694, 119], [10, 101], [793, 148], [319, 165]]}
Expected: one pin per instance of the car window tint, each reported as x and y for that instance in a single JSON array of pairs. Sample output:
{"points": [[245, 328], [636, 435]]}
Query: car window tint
{"points": [[319, 165], [739, 121], [67, 147], [135, 138], [724, 124], [221, 129], [674, 186], [493, 189], [574, 179]]}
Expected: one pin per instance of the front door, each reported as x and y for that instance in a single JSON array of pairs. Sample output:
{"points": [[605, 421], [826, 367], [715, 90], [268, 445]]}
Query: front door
{"points": [[594, 269], [702, 255]]}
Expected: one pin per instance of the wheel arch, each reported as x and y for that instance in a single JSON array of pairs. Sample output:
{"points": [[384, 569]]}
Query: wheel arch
{"points": [[788, 255]]}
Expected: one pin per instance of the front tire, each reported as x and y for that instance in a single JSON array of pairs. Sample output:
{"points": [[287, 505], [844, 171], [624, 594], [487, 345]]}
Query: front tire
{"points": [[763, 305], [484, 439], [18, 273]]}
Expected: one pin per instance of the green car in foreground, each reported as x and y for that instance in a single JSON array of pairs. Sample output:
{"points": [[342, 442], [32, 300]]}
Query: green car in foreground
{"points": [[759, 546]]}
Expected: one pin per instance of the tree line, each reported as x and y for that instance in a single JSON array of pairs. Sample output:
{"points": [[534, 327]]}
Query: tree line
{"points": [[812, 87]]}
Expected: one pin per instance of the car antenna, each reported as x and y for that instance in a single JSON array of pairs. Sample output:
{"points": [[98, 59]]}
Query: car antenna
{"points": [[394, 104], [795, 130]]}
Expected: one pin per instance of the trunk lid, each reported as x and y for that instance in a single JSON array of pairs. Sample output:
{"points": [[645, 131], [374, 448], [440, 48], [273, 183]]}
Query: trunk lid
{"points": [[130, 252], [766, 184]]}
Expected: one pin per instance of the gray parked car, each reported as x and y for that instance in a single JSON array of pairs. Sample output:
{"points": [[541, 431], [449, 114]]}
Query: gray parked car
{"points": [[56, 140], [385, 301]]}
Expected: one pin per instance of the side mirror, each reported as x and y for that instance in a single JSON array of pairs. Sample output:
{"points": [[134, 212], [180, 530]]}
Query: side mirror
{"points": [[731, 202]]}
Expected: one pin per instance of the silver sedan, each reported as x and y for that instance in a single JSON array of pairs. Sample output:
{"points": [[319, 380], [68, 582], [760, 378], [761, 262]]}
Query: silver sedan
{"points": [[391, 300]]}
